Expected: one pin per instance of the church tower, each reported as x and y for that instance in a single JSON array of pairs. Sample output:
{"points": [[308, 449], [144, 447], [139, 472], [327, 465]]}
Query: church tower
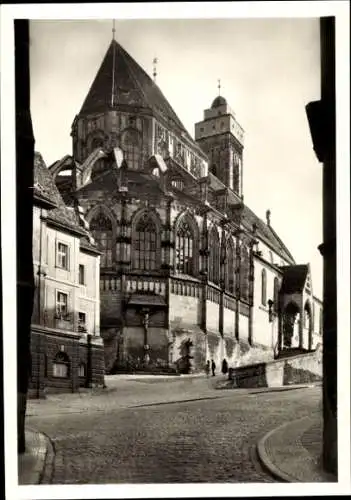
{"points": [[222, 138]]}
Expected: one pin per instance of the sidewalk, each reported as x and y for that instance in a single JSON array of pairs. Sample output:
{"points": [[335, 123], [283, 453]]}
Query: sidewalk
{"points": [[292, 452], [35, 465]]}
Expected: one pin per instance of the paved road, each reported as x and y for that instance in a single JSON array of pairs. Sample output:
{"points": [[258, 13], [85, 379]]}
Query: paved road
{"points": [[139, 432]]}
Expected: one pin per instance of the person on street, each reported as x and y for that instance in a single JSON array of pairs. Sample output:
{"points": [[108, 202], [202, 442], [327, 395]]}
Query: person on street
{"points": [[213, 368], [207, 368], [224, 366]]}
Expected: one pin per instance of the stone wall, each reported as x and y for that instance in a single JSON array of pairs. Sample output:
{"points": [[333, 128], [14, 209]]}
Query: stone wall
{"points": [[301, 369], [45, 345]]}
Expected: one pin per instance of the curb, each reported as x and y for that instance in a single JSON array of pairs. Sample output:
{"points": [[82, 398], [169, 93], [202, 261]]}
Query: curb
{"points": [[267, 462], [49, 463], [38, 461]]}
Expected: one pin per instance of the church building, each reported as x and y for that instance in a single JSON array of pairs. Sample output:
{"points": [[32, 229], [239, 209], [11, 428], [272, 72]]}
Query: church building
{"points": [[188, 273]]}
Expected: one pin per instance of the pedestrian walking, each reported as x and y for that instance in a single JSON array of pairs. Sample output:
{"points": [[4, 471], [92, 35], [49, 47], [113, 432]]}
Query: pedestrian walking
{"points": [[207, 368], [224, 366], [213, 368]]}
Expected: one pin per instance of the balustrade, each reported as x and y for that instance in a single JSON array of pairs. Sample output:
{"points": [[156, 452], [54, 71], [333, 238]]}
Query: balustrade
{"points": [[186, 288]]}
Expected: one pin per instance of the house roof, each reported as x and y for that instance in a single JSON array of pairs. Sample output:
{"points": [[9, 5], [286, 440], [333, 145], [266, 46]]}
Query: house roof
{"points": [[132, 87], [294, 278], [44, 182], [45, 187]]}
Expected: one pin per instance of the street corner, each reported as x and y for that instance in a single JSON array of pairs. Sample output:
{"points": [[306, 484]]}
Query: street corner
{"points": [[292, 452], [35, 466]]}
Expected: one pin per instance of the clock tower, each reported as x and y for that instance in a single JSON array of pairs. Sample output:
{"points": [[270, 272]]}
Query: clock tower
{"points": [[222, 138]]}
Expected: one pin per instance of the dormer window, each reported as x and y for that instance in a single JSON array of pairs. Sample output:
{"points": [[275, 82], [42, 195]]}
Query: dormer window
{"points": [[156, 172]]}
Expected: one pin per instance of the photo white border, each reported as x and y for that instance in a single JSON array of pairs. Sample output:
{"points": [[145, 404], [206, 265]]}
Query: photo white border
{"points": [[339, 9]]}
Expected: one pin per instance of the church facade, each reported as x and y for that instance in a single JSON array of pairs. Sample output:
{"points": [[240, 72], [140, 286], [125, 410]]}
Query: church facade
{"points": [[188, 272]]}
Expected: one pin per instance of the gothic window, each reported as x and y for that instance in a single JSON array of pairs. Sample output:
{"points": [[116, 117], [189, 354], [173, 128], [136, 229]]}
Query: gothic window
{"points": [[213, 271], [185, 248], [101, 228], [244, 272], [230, 268], [131, 148], [263, 287], [145, 243]]}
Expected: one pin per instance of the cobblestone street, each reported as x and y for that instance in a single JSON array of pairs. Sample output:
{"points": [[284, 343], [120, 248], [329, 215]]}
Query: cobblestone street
{"points": [[165, 430]]}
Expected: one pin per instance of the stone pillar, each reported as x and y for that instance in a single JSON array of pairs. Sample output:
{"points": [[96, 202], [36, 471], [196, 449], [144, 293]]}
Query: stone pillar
{"points": [[24, 221], [321, 117]]}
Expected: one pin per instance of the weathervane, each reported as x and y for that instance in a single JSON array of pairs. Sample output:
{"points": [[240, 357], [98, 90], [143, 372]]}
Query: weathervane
{"points": [[113, 29], [219, 87], [155, 61]]}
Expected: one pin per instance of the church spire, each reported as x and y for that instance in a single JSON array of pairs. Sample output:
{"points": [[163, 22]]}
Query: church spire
{"points": [[113, 64]]}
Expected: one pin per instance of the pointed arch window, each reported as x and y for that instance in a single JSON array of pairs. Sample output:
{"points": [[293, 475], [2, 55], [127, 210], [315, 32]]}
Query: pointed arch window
{"points": [[145, 243], [244, 272], [185, 248], [264, 287], [101, 228], [131, 148], [230, 268], [213, 268]]}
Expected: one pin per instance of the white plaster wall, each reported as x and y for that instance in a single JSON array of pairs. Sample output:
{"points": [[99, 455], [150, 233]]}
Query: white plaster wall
{"points": [[212, 316], [229, 321]]}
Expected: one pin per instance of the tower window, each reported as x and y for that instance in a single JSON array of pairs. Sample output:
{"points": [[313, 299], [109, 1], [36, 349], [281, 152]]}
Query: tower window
{"points": [[131, 148]]}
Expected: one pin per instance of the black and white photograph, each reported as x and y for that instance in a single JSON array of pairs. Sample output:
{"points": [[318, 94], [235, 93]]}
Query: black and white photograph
{"points": [[176, 262]]}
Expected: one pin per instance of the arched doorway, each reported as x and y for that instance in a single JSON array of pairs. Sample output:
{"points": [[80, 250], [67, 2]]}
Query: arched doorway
{"points": [[291, 325]]}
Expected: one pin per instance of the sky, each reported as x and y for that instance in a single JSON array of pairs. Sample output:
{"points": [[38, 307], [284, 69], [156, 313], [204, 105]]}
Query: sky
{"points": [[269, 70]]}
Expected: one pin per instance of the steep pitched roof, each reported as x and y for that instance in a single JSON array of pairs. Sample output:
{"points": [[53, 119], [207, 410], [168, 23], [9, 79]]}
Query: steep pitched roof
{"points": [[294, 278], [45, 184], [266, 233], [132, 86]]}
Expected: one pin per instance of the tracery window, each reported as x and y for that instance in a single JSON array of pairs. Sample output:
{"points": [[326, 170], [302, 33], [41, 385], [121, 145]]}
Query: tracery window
{"points": [[185, 248], [263, 287], [230, 268], [145, 243], [101, 228], [244, 272], [131, 148], [213, 268]]}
